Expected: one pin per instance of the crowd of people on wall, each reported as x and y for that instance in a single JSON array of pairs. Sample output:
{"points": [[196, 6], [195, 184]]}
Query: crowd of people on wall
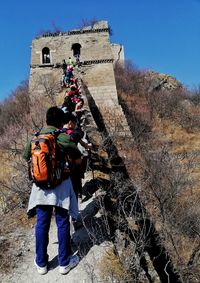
{"points": [[64, 122]]}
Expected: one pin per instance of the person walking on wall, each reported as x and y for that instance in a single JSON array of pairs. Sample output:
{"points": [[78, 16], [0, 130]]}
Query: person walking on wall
{"points": [[70, 62], [61, 198], [76, 135]]}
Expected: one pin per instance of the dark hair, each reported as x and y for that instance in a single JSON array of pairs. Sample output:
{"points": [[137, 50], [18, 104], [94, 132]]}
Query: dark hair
{"points": [[69, 117], [54, 117]]}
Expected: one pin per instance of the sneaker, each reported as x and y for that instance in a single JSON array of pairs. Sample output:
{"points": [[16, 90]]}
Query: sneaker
{"points": [[74, 260], [41, 270]]}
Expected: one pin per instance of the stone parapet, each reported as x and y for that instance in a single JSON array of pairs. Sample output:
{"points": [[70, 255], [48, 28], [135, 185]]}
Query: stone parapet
{"points": [[54, 34]]}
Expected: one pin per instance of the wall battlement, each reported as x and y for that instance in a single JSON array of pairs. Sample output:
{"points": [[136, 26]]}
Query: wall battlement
{"points": [[50, 34]]}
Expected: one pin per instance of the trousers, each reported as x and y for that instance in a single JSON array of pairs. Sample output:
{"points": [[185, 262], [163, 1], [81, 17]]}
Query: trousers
{"points": [[44, 215]]}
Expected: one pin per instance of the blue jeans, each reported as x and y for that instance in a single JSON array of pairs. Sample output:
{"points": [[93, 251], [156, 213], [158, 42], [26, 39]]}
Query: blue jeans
{"points": [[44, 213]]}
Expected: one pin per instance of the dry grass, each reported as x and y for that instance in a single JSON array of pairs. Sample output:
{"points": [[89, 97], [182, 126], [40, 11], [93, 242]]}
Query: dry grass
{"points": [[182, 143], [6, 169], [170, 150], [113, 268], [180, 139]]}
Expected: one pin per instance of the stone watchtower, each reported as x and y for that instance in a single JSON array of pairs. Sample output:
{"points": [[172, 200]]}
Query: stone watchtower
{"points": [[97, 57], [92, 43]]}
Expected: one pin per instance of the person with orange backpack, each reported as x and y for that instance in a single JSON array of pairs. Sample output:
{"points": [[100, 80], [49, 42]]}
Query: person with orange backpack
{"points": [[46, 153]]}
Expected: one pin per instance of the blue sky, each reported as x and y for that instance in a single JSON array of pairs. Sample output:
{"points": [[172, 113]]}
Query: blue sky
{"points": [[160, 35]]}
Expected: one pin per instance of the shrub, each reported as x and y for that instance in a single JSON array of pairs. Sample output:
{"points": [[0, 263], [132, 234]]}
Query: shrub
{"points": [[15, 107]]}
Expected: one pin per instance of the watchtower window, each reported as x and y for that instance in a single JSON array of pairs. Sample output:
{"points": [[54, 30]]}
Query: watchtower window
{"points": [[76, 47], [46, 55]]}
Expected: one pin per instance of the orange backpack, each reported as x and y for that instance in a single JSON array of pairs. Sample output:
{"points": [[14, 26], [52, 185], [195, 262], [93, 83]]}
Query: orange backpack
{"points": [[45, 170]]}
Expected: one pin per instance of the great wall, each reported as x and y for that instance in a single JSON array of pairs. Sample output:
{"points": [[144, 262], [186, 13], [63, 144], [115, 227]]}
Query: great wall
{"points": [[97, 56], [106, 121], [96, 73]]}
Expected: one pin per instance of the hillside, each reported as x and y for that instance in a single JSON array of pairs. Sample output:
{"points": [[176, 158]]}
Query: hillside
{"points": [[144, 185], [165, 122]]}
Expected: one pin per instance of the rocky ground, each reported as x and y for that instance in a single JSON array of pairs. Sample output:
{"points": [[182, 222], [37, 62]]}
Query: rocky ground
{"points": [[88, 243]]}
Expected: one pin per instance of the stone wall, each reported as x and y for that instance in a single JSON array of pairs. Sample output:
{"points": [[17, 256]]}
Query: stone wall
{"points": [[41, 78], [96, 71], [98, 74], [118, 52], [95, 51], [94, 41], [93, 47]]}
